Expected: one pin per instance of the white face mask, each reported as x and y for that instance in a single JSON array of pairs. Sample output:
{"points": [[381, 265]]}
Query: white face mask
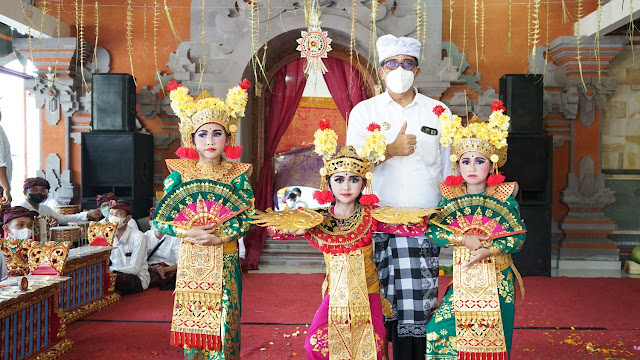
{"points": [[118, 220], [22, 234], [399, 80]]}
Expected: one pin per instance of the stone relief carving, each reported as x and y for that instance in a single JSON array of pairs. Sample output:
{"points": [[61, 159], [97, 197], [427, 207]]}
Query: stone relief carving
{"points": [[587, 188], [60, 181]]}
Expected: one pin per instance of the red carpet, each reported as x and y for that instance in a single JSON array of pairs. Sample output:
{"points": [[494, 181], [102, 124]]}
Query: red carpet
{"points": [[603, 313]]}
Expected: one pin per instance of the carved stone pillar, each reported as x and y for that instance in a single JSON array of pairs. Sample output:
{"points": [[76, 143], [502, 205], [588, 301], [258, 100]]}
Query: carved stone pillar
{"points": [[59, 91], [580, 99]]}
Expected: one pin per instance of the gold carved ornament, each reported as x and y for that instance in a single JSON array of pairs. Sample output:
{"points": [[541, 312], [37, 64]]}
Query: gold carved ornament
{"points": [[101, 234], [288, 220], [49, 254], [403, 216]]}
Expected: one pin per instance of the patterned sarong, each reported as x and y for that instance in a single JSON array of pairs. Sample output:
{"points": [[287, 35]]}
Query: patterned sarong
{"points": [[408, 271]]}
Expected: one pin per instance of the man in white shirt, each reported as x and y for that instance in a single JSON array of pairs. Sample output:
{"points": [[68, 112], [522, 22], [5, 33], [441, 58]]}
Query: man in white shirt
{"points": [[36, 191], [6, 167], [129, 258], [103, 204], [415, 163], [162, 256]]}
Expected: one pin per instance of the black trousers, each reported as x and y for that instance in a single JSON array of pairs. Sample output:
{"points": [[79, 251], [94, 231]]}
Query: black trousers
{"points": [[406, 347]]}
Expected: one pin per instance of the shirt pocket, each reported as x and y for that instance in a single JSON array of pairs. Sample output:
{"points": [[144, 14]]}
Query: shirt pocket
{"points": [[427, 149]]}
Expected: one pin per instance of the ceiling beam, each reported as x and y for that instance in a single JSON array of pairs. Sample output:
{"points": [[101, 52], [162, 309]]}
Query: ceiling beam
{"points": [[614, 14], [12, 14]]}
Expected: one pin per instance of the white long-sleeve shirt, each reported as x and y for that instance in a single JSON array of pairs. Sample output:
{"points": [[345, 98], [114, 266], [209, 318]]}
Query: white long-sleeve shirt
{"points": [[167, 252], [404, 181], [44, 210], [5, 154], [130, 255]]}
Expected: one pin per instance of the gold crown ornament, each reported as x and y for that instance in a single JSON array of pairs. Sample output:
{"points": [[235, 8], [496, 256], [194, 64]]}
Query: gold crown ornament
{"points": [[348, 159], [205, 109], [486, 137]]}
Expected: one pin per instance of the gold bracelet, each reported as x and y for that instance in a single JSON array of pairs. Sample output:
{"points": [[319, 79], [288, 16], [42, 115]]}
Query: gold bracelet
{"points": [[456, 238], [493, 250], [181, 233]]}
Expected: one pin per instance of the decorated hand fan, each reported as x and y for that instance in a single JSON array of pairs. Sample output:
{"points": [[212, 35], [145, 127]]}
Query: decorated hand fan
{"points": [[479, 215], [200, 202]]}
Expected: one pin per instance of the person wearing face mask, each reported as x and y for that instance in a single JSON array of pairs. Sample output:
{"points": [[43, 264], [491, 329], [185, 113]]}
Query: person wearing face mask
{"points": [[162, 255], [36, 190], [129, 258], [415, 163], [103, 204], [18, 224]]}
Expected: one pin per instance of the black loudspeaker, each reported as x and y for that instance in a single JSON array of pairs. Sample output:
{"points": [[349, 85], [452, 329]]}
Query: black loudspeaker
{"points": [[529, 162], [523, 97], [534, 259], [113, 102], [121, 163]]}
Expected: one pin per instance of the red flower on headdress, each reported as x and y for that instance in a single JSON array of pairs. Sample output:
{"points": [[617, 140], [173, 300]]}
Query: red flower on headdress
{"points": [[324, 124], [172, 85], [497, 106], [373, 126], [438, 110], [244, 84]]}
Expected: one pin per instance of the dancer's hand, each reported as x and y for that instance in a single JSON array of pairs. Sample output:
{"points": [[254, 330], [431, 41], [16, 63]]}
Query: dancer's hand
{"points": [[207, 240], [476, 257], [473, 242], [194, 232]]}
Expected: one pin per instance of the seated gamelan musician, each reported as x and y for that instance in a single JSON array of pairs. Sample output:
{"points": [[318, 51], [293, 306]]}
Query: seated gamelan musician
{"points": [[18, 222], [129, 258], [36, 191], [162, 256], [102, 201]]}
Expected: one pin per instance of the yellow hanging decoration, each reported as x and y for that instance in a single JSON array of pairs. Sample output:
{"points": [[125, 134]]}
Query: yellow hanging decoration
{"points": [[314, 43], [144, 30], [482, 17], [266, 41], [45, 10], [565, 12], [509, 13], [203, 61], [578, 56], [82, 43], [546, 40], [372, 55], [173, 28], [95, 45], [58, 12], [475, 32], [528, 24], [451, 28], [464, 37], [129, 33], [156, 15], [630, 33], [352, 39], [535, 28], [418, 22], [424, 33]]}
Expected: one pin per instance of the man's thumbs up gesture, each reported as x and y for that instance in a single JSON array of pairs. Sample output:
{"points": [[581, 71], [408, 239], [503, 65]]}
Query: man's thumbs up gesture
{"points": [[404, 145]]}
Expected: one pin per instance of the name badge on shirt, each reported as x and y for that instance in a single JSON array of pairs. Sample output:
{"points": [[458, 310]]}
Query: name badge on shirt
{"points": [[127, 254], [429, 131]]}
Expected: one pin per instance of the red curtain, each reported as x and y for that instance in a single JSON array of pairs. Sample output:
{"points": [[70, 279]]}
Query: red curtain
{"points": [[345, 84], [287, 86]]}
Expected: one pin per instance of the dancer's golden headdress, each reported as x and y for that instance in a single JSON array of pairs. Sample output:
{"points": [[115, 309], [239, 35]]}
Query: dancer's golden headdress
{"points": [[486, 137], [348, 159], [194, 113]]}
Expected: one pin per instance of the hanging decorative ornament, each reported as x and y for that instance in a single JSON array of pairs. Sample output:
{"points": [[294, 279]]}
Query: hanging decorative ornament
{"points": [[314, 44]]}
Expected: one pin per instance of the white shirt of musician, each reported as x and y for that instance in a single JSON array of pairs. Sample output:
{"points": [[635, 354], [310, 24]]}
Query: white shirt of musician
{"points": [[130, 255], [44, 210], [167, 252]]}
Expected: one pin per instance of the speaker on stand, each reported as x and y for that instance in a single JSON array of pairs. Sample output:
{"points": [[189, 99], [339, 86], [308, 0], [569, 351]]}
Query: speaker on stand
{"points": [[529, 162], [113, 102]]}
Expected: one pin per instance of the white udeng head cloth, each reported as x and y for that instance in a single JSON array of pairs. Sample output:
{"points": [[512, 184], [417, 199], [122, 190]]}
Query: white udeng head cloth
{"points": [[389, 45]]}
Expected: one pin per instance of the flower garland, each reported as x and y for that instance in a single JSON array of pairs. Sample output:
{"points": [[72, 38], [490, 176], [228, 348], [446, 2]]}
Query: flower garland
{"points": [[375, 144], [325, 139], [496, 130]]}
